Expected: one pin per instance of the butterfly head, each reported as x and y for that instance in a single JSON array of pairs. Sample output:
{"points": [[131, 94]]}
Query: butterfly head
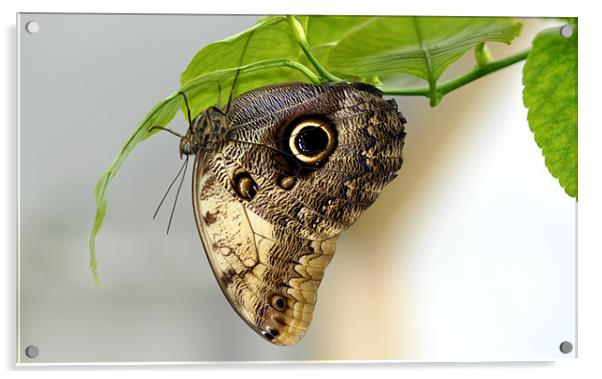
{"points": [[204, 131], [186, 147]]}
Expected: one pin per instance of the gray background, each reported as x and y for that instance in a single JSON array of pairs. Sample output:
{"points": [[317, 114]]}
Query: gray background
{"points": [[469, 255]]}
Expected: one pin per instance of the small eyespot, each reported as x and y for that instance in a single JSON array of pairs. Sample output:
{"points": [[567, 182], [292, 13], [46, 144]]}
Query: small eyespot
{"points": [[245, 186], [287, 182], [278, 302], [272, 331]]}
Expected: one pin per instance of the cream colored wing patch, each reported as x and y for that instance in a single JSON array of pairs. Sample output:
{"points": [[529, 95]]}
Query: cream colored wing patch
{"points": [[269, 276]]}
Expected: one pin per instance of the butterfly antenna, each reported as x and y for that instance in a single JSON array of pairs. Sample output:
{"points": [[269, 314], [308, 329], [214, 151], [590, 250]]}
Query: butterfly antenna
{"points": [[169, 188], [187, 108], [175, 202], [235, 82], [233, 90], [167, 130]]}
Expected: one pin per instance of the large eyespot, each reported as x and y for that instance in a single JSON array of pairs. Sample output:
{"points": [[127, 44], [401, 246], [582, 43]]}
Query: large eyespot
{"points": [[311, 140], [244, 185]]}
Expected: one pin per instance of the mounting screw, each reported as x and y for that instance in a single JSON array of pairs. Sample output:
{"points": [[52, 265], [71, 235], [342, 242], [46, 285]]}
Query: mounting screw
{"points": [[32, 27], [566, 31], [32, 351], [566, 347]]}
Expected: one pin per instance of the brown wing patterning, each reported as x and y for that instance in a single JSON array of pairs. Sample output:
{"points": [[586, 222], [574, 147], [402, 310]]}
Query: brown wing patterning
{"points": [[289, 169], [270, 277]]}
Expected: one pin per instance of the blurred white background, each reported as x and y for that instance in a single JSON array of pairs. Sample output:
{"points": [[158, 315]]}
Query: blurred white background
{"points": [[468, 255]]}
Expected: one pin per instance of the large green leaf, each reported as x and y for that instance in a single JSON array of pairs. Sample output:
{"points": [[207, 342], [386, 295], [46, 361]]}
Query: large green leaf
{"points": [[324, 32], [550, 94], [161, 114], [269, 39], [420, 46]]}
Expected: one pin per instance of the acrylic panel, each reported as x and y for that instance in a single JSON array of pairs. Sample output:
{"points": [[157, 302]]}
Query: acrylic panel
{"points": [[468, 255]]}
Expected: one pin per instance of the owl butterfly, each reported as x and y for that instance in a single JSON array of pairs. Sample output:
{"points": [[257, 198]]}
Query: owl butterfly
{"points": [[277, 177]]}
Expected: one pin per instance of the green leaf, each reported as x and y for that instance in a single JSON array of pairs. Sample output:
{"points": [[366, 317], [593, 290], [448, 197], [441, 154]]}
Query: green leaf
{"points": [[161, 114], [550, 94], [269, 39], [420, 46], [324, 32]]}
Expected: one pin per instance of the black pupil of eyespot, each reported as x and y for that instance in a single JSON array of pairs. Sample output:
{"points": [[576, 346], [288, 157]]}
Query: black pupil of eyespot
{"points": [[311, 140], [279, 303]]}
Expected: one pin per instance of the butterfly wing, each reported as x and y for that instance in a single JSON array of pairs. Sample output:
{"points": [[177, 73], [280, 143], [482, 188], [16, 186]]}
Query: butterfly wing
{"points": [[269, 206], [328, 196], [270, 278]]}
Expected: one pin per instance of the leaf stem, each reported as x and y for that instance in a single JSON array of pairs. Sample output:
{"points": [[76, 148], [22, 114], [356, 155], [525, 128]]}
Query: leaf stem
{"points": [[482, 54], [453, 84], [299, 35], [480, 71]]}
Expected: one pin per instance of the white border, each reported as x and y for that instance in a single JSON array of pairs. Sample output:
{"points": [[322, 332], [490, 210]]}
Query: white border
{"points": [[590, 157], [18, 174]]}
